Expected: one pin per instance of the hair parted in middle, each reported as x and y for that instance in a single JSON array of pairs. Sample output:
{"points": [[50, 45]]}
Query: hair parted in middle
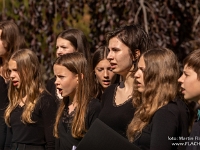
{"points": [[161, 75], [99, 55], [77, 64], [28, 68], [78, 41]]}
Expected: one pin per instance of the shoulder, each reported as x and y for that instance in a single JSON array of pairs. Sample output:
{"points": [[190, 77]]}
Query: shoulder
{"points": [[46, 98], [172, 109], [50, 83], [110, 90], [94, 104]]}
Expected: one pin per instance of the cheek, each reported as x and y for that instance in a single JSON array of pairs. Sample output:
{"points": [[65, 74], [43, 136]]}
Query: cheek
{"points": [[98, 76]]}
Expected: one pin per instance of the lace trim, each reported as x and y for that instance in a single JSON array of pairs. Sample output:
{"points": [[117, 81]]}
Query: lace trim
{"points": [[114, 95], [68, 118]]}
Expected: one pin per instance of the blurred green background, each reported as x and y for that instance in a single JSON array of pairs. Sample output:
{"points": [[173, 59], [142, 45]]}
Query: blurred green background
{"points": [[174, 24]]}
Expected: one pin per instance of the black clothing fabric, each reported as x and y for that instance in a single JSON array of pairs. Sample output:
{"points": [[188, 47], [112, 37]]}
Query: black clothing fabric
{"points": [[193, 142], [116, 116], [65, 140], [102, 137], [3, 104], [168, 126], [51, 88], [39, 133], [16, 146]]}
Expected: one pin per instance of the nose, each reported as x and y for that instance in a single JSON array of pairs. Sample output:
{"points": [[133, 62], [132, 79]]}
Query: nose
{"points": [[12, 75], [137, 74], [110, 55], [56, 82], [181, 79], [59, 51], [106, 74]]}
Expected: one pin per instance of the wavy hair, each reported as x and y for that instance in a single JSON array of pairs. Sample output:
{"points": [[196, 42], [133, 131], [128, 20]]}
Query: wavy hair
{"points": [[31, 85], [161, 86], [77, 64], [12, 40]]}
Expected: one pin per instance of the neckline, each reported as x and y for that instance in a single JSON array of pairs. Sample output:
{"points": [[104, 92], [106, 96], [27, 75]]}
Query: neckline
{"points": [[114, 95]]}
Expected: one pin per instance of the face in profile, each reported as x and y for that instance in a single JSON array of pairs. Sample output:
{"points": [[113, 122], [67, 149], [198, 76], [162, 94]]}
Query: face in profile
{"points": [[104, 73], [14, 75], [2, 48], [190, 84], [139, 75], [66, 81], [119, 56], [63, 46]]}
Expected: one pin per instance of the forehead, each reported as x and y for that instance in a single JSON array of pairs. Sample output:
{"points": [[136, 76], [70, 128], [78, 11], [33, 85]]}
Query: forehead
{"points": [[59, 69], [12, 64], [63, 41], [141, 62], [103, 63], [188, 68], [115, 42]]}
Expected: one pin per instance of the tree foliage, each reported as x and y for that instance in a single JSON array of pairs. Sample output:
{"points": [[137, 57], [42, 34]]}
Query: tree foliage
{"points": [[170, 23]]}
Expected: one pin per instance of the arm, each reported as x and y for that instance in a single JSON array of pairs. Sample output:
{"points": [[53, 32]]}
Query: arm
{"points": [[93, 112], [48, 115], [165, 125]]}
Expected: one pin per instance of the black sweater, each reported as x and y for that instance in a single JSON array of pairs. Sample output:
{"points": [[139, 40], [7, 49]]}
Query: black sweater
{"points": [[39, 133]]}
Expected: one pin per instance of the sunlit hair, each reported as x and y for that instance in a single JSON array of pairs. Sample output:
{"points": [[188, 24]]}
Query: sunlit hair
{"points": [[133, 36], [78, 40], [77, 64], [99, 55], [31, 85], [12, 40], [193, 61], [161, 86]]}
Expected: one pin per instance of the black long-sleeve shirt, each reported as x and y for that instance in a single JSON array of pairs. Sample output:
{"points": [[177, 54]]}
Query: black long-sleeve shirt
{"points": [[66, 141], [116, 117], [40, 132], [169, 125], [3, 104]]}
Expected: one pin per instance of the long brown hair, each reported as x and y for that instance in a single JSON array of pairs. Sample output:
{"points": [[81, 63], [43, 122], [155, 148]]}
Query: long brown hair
{"points": [[161, 86], [77, 64], [12, 40], [31, 84]]}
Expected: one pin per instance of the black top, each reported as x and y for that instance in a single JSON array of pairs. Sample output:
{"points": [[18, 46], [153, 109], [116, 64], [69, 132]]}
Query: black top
{"points": [[51, 88], [168, 125], [193, 142], [39, 133], [3, 104], [116, 116], [66, 141]]}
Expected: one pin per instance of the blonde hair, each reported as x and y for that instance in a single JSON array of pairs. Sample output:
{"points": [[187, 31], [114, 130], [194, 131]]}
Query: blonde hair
{"points": [[161, 86], [31, 85], [77, 64]]}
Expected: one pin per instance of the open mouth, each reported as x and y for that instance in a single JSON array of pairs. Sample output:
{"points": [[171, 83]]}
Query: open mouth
{"points": [[106, 82], [60, 90], [15, 83]]}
